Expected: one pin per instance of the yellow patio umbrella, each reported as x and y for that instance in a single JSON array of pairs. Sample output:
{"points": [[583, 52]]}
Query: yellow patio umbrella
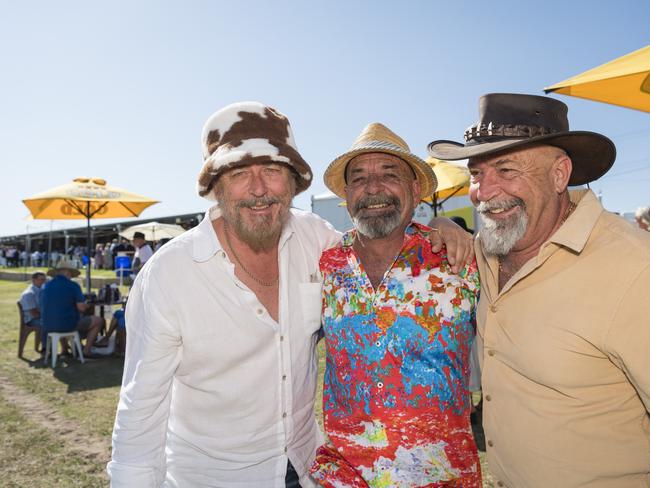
{"points": [[453, 181], [624, 81], [86, 198]]}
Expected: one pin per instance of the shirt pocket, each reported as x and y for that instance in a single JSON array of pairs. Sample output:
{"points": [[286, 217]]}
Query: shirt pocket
{"points": [[311, 304]]}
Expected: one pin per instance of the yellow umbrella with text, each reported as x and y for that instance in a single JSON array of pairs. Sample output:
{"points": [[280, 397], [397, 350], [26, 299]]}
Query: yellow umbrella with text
{"points": [[86, 198]]}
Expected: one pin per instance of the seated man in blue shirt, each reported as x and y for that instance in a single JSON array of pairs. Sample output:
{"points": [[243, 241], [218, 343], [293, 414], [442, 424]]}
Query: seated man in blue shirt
{"points": [[30, 300], [61, 304]]}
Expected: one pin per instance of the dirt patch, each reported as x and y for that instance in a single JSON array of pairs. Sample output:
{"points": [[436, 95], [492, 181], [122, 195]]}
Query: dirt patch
{"points": [[89, 446]]}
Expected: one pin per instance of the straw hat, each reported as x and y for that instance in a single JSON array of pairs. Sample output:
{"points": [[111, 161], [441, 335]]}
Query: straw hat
{"points": [[512, 120], [64, 263], [379, 138], [246, 133]]}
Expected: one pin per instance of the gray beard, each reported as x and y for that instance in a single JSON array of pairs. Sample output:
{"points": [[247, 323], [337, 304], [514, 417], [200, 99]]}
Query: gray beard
{"points": [[376, 226], [500, 236]]}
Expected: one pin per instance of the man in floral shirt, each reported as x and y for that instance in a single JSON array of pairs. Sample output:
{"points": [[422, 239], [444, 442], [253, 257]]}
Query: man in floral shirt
{"points": [[399, 327]]}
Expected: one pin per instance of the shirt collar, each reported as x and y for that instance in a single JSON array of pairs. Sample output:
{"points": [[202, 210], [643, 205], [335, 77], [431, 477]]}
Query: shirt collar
{"points": [[573, 235], [575, 232], [204, 239], [206, 244], [411, 229]]}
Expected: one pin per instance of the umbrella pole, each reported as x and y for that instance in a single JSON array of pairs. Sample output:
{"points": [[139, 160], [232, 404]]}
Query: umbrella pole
{"points": [[435, 206], [49, 247], [88, 243]]}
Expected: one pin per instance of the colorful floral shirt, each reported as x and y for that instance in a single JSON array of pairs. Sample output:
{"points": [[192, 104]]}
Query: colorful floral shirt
{"points": [[395, 399]]}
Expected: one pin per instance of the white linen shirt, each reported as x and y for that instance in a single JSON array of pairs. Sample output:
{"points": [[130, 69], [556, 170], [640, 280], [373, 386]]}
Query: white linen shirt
{"points": [[215, 392], [144, 253]]}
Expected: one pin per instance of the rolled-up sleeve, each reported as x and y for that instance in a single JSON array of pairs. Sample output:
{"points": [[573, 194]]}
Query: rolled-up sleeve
{"points": [[154, 350]]}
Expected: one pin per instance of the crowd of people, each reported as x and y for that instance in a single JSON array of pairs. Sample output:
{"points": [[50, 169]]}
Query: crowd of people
{"points": [[15, 257], [103, 255]]}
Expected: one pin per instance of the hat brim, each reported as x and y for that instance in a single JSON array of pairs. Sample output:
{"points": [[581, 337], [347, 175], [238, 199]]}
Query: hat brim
{"points": [[296, 164], [592, 154], [73, 271], [335, 173]]}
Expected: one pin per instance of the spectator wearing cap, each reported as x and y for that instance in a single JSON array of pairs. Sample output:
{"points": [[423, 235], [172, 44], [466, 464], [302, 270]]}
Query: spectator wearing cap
{"points": [[221, 367], [143, 252]]}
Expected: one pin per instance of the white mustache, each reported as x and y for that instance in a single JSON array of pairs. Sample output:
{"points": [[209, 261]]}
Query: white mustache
{"points": [[503, 205]]}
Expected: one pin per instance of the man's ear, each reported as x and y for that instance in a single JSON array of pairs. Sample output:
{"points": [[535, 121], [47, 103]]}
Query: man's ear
{"points": [[561, 173], [416, 188]]}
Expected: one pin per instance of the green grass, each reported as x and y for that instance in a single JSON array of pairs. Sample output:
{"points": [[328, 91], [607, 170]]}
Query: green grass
{"points": [[32, 457], [86, 394]]}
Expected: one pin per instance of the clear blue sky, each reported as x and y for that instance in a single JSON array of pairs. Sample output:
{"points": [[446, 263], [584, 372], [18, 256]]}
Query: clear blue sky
{"points": [[121, 89]]}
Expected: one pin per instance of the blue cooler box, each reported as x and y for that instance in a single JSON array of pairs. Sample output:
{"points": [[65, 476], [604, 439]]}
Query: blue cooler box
{"points": [[123, 266]]}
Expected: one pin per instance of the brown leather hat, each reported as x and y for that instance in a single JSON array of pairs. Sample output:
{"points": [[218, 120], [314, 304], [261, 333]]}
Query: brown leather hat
{"points": [[511, 120]]}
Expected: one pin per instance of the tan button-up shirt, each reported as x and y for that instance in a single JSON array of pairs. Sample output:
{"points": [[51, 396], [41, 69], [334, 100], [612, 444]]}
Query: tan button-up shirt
{"points": [[566, 357]]}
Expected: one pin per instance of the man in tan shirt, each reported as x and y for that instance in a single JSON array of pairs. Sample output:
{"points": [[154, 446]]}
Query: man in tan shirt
{"points": [[564, 314]]}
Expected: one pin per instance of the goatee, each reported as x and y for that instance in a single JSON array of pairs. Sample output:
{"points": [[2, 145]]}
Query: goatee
{"points": [[499, 236], [376, 226]]}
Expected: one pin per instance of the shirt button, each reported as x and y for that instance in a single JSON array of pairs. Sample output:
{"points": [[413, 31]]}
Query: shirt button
{"points": [[377, 343], [284, 415], [500, 483], [259, 311], [380, 385], [493, 308], [284, 377], [286, 448], [281, 338], [491, 352], [490, 443], [488, 398]]}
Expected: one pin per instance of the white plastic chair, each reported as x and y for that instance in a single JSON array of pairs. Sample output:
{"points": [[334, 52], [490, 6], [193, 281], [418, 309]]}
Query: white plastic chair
{"points": [[52, 346]]}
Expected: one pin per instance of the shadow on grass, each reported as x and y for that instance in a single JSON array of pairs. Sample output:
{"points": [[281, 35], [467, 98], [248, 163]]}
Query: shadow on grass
{"points": [[92, 375]]}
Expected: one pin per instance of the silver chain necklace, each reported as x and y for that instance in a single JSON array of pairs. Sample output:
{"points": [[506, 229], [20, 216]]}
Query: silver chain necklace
{"points": [[241, 265]]}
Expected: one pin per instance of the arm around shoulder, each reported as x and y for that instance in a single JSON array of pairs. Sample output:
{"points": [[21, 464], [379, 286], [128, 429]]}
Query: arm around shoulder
{"points": [[459, 242]]}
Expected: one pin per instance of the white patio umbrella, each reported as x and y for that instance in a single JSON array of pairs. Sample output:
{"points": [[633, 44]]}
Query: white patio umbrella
{"points": [[153, 231]]}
